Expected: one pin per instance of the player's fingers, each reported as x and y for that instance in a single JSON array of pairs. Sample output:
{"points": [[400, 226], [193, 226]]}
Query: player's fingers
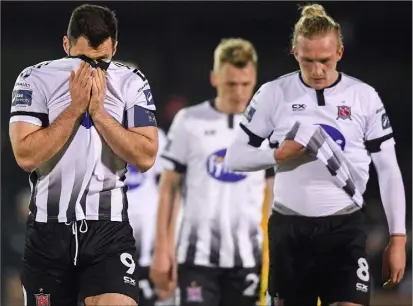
{"points": [[79, 71], [94, 85], [71, 77], [400, 275]]}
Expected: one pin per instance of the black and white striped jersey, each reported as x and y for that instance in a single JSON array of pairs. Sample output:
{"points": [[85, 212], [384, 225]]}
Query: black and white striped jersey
{"points": [[222, 210], [85, 180]]}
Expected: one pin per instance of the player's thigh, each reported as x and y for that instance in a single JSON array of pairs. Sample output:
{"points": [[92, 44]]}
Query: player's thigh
{"points": [[241, 287], [346, 268], [47, 273], [292, 276], [112, 268], [198, 286]]}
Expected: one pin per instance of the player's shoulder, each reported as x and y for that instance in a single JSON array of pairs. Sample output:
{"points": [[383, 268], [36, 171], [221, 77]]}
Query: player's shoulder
{"points": [[197, 111], [355, 87], [34, 72], [128, 73], [280, 84]]}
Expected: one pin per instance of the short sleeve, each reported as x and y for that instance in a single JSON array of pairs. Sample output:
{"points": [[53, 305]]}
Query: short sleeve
{"points": [[258, 122], [29, 103], [378, 128], [175, 153], [140, 105], [161, 146]]}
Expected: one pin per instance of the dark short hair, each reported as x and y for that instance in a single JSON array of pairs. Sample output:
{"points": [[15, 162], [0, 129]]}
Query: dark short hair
{"points": [[94, 22]]}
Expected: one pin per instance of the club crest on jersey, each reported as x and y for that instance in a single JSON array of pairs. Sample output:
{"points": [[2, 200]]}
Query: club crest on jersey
{"points": [[148, 96], [134, 178], [217, 169], [22, 97], [335, 134], [194, 293], [343, 112], [42, 299]]}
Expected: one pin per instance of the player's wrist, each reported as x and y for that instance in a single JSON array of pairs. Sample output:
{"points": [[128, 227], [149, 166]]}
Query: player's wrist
{"points": [[398, 239]]}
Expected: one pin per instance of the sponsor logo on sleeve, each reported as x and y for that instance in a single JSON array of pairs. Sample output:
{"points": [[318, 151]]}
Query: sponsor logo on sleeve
{"points": [[22, 97]]}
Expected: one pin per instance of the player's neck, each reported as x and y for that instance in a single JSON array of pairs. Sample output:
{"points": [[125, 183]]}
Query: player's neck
{"points": [[227, 107]]}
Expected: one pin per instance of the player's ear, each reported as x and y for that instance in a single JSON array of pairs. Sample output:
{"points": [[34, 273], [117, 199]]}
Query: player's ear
{"points": [[213, 78], [66, 44], [340, 53], [115, 48], [294, 53]]}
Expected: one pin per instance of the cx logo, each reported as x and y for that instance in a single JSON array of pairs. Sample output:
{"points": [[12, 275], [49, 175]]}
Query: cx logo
{"points": [[298, 107]]}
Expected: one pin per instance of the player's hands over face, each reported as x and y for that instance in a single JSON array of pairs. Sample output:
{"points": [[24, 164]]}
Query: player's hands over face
{"points": [[80, 84], [163, 271], [288, 150], [394, 261], [98, 91]]}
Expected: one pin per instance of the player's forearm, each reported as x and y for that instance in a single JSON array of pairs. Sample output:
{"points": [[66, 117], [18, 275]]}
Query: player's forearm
{"points": [[391, 190], [134, 148], [167, 215], [40, 146], [243, 157]]}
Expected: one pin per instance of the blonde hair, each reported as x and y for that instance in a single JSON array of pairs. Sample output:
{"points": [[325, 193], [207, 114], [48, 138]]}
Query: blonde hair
{"points": [[315, 21], [235, 51]]}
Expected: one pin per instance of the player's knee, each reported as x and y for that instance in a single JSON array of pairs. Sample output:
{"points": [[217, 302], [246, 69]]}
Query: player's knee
{"points": [[110, 299]]}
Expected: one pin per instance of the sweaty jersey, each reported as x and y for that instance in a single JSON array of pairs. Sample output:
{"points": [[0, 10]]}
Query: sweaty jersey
{"points": [[143, 204], [85, 180], [351, 113], [221, 209]]}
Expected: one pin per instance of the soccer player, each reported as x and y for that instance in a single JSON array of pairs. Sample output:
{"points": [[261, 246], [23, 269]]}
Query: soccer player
{"points": [[317, 241], [219, 249], [75, 132]]}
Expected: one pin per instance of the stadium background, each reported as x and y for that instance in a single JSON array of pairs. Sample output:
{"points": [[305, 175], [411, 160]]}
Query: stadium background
{"points": [[173, 45]]}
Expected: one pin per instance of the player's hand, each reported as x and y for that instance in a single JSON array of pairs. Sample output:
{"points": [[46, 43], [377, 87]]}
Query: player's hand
{"points": [[162, 269], [98, 92], [80, 84], [288, 150], [394, 261]]}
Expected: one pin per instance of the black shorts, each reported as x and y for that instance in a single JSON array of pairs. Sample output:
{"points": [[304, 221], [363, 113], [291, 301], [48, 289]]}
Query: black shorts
{"points": [[106, 261], [318, 257], [203, 286]]}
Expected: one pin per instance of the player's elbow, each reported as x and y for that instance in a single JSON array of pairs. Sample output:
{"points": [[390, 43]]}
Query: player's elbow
{"points": [[146, 162], [232, 160], [26, 164]]}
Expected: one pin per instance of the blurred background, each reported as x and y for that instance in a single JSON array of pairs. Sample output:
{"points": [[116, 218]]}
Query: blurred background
{"points": [[173, 44]]}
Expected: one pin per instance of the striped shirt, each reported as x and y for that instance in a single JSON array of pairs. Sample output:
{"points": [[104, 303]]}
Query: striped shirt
{"points": [[349, 111], [222, 210], [85, 180]]}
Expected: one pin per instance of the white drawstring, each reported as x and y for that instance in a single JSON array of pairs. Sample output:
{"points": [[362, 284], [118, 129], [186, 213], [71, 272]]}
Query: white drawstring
{"points": [[82, 229]]}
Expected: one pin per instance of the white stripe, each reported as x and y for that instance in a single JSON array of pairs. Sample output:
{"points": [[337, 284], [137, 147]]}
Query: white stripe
{"points": [[226, 256], [42, 193], [68, 180], [116, 204], [183, 241], [24, 296], [245, 243], [27, 119], [303, 135]]}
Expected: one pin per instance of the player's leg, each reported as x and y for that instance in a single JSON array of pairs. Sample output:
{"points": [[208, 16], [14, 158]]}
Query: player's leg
{"points": [[240, 287], [293, 279], [199, 286], [346, 269], [47, 272], [108, 261]]}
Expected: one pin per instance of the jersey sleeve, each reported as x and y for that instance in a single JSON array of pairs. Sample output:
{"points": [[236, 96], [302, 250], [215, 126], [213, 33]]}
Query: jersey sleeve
{"points": [[161, 146], [175, 153], [258, 124], [378, 128], [140, 106], [29, 102]]}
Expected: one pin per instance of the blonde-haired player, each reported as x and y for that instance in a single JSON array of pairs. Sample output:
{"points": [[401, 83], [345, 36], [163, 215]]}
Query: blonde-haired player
{"points": [[219, 250]]}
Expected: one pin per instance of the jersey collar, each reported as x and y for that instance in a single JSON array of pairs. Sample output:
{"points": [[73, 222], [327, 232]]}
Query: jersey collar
{"points": [[95, 64], [331, 86]]}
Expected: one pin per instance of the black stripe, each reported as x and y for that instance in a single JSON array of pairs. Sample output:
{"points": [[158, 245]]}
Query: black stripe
{"points": [[293, 132], [333, 165], [105, 199], [125, 119], [53, 196], [44, 118], [34, 178], [269, 173], [83, 199], [231, 121], [254, 140], [373, 145], [125, 203], [192, 241], [215, 246], [178, 167], [350, 188], [320, 97], [237, 252]]}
